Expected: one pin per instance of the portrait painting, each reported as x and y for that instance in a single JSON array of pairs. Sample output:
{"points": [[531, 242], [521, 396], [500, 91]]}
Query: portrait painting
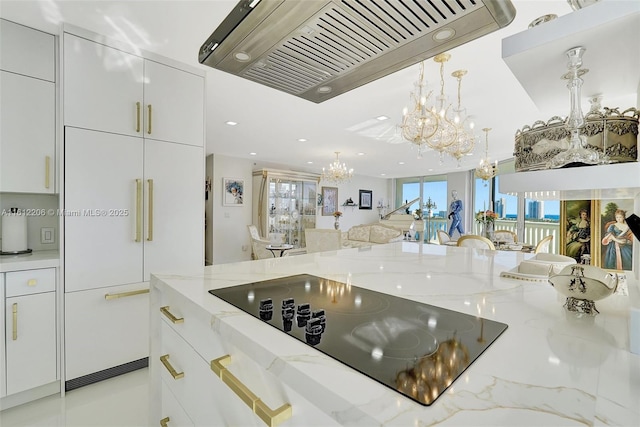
{"points": [[576, 230], [616, 241], [329, 200], [232, 191]]}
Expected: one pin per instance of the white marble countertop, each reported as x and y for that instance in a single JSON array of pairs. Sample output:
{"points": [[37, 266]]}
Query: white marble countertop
{"points": [[36, 259], [550, 367]]}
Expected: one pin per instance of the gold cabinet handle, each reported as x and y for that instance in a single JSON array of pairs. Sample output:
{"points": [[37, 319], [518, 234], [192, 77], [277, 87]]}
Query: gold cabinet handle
{"points": [[149, 121], [165, 422], [150, 213], [175, 374], [15, 321], [109, 297], [32, 282], [137, 117], [138, 210], [165, 310], [271, 417], [47, 171]]}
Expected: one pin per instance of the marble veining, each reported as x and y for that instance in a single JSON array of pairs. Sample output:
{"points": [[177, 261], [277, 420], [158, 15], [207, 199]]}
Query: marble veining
{"points": [[549, 367]]}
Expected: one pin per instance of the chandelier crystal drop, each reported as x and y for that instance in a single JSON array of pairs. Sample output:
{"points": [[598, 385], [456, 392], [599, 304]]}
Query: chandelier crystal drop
{"points": [[486, 170], [337, 172], [419, 124], [465, 139], [447, 131]]}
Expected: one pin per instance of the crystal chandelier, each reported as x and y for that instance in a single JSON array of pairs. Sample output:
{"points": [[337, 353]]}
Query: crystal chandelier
{"points": [[577, 153], [337, 172], [486, 170], [447, 130], [419, 124], [465, 139], [437, 126]]}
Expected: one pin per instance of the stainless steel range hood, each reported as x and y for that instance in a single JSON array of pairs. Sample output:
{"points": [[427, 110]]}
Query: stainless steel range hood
{"points": [[318, 49]]}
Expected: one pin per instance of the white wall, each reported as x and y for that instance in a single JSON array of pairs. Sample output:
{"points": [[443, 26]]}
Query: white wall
{"points": [[354, 215], [227, 230]]}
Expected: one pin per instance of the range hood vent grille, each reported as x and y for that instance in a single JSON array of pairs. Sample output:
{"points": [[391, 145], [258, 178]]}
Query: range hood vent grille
{"points": [[315, 50]]}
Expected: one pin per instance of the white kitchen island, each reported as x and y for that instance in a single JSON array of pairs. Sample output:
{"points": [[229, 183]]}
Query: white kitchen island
{"points": [[550, 367]]}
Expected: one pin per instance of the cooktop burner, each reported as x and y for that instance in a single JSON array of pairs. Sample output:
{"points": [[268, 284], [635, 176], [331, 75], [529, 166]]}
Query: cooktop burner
{"points": [[416, 349]]}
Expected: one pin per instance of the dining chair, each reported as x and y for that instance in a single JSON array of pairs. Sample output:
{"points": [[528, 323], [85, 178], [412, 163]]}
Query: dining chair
{"points": [[259, 245], [444, 239], [473, 241], [543, 245], [506, 236], [322, 239]]}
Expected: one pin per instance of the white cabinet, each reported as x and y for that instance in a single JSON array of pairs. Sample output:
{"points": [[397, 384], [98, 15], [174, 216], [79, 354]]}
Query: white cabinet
{"points": [[30, 329], [27, 110], [111, 90], [134, 173], [27, 51], [188, 363], [105, 328], [151, 193], [3, 381]]}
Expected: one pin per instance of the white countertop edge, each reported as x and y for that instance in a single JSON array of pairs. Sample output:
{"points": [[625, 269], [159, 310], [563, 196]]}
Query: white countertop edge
{"points": [[34, 260]]}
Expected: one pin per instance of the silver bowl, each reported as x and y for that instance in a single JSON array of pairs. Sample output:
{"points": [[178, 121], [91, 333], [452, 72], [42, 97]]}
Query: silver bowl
{"points": [[583, 285]]}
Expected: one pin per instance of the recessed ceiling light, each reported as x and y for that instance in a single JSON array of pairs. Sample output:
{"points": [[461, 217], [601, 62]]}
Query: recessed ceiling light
{"points": [[309, 162], [253, 154], [324, 89], [430, 170], [401, 163], [230, 123], [361, 154], [444, 34], [242, 56], [382, 118], [302, 140], [383, 174]]}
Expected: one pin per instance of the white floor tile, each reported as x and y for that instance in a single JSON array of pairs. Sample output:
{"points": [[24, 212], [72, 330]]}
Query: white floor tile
{"points": [[122, 401]]}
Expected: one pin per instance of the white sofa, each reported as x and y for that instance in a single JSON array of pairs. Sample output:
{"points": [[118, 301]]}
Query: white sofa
{"points": [[370, 234]]}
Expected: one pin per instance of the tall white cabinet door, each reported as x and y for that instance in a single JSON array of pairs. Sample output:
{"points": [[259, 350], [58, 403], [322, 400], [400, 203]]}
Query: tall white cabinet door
{"points": [[3, 382], [101, 218], [176, 216], [26, 51], [102, 87], [27, 134], [176, 99], [31, 341]]}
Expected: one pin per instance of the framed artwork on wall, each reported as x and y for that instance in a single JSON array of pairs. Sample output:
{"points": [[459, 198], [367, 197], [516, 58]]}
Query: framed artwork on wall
{"points": [[577, 230], [366, 197], [616, 242], [329, 200], [232, 191]]}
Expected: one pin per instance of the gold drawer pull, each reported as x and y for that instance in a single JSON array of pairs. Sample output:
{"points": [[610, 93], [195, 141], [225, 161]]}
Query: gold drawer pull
{"points": [[271, 417], [138, 237], [47, 171], [175, 374], [165, 421], [32, 282], [137, 117], [165, 310], [126, 294], [15, 321], [149, 129]]}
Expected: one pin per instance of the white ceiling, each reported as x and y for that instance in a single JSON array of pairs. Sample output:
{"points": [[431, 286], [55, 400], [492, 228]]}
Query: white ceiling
{"points": [[271, 122]]}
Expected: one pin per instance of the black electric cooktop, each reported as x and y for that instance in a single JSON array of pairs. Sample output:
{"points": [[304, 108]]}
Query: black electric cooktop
{"points": [[416, 349]]}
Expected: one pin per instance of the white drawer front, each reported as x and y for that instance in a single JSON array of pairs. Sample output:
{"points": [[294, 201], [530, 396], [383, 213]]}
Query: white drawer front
{"points": [[28, 282], [105, 327], [193, 325], [173, 415]]}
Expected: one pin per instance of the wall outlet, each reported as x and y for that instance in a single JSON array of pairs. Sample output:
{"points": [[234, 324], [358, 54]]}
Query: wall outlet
{"points": [[47, 235]]}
